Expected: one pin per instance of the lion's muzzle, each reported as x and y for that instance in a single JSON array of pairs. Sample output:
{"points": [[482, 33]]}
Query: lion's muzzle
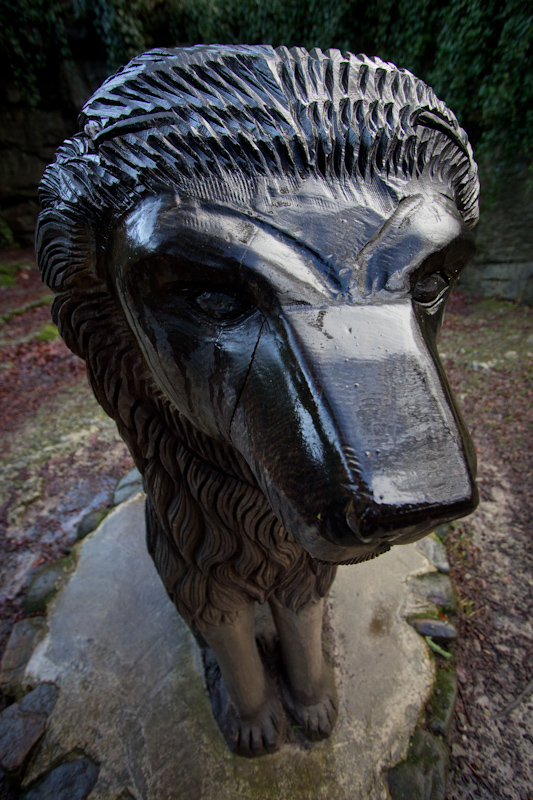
{"points": [[349, 425]]}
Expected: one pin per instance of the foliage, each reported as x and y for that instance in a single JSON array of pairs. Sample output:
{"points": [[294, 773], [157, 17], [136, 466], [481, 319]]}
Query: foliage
{"points": [[37, 37], [33, 38], [477, 54], [310, 23], [126, 27], [6, 239], [47, 333]]}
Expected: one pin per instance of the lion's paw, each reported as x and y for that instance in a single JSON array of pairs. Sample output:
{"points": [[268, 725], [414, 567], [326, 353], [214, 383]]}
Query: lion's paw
{"points": [[316, 716], [317, 720], [260, 735]]}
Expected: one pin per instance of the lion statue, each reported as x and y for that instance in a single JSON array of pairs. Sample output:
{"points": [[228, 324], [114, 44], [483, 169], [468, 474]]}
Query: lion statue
{"points": [[251, 249]]}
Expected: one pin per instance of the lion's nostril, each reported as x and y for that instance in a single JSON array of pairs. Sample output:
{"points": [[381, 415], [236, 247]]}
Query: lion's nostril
{"points": [[356, 523]]}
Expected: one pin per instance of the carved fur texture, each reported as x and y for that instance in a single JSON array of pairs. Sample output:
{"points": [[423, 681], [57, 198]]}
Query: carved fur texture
{"points": [[258, 122]]}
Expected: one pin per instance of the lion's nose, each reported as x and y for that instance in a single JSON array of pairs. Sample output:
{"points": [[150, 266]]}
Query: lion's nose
{"points": [[378, 524]]}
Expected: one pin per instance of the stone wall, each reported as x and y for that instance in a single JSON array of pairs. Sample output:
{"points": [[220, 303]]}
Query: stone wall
{"points": [[503, 265], [29, 138]]}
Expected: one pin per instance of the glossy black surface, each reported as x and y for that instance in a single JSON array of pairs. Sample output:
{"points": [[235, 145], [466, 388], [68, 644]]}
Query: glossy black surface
{"points": [[306, 338]]}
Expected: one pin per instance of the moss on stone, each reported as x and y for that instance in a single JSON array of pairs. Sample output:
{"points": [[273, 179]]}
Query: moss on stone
{"points": [[422, 776], [47, 333], [48, 582], [442, 702], [90, 522]]}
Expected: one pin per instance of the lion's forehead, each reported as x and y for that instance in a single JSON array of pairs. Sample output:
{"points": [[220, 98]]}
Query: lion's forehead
{"points": [[321, 249]]}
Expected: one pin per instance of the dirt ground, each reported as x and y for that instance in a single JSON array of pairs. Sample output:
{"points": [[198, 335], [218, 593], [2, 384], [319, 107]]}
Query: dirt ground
{"points": [[487, 348], [61, 457]]}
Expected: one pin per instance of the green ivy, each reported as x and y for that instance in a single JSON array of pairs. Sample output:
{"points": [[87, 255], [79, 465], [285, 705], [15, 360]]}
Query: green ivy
{"points": [[32, 37], [123, 26], [310, 23]]}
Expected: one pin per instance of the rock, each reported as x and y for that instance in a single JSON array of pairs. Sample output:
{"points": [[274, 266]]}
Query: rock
{"points": [[128, 486], [6, 790], [512, 281], [422, 776], [18, 577], [41, 700], [46, 584], [22, 725], [90, 522], [443, 702], [442, 531], [435, 552], [133, 694], [435, 588], [21, 644], [73, 780], [503, 266], [436, 628]]}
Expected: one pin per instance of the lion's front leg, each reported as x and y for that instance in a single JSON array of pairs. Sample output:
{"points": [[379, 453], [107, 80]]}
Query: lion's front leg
{"points": [[311, 697], [258, 727]]}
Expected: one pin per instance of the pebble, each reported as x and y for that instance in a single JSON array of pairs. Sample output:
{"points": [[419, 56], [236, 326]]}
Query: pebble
{"points": [[438, 629], [481, 366], [461, 674], [73, 780], [22, 725]]}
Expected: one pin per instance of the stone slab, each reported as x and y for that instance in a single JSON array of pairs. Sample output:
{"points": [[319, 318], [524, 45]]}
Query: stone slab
{"points": [[132, 695]]}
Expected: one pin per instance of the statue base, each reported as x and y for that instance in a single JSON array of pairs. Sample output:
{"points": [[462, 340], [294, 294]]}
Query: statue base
{"points": [[132, 689]]}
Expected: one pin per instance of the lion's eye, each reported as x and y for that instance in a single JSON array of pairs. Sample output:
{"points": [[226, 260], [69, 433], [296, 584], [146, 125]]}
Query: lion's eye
{"points": [[430, 289], [220, 306]]}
